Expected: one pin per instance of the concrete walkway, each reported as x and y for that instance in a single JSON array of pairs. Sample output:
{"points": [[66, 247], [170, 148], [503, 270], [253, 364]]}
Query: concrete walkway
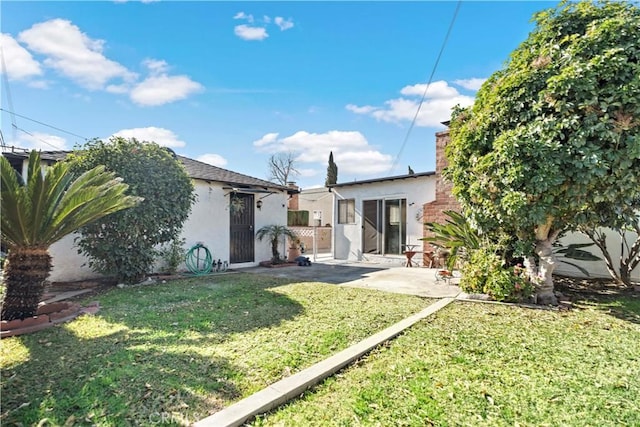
{"points": [[386, 277]]}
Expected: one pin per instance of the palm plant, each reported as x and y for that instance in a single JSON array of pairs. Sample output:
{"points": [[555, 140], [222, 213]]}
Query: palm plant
{"points": [[274, 233], [41, 211], [455, 236]]}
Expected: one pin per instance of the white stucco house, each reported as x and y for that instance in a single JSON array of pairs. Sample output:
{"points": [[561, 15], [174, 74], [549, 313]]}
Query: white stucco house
{"points": [[376, 219], [228, 234], [598, 269]]}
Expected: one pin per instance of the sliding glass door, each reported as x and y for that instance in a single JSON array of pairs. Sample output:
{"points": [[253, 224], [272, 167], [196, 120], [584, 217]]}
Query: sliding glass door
{"points": [[384, 230]]}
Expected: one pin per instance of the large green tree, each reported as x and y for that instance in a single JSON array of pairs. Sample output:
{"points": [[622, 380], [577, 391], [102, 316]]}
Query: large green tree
{"points": [[125, 244], [41, 211], [554, 133]]}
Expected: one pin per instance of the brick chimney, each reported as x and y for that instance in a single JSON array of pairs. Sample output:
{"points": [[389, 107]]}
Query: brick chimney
{"points": [[433, 211], [293, 200]]}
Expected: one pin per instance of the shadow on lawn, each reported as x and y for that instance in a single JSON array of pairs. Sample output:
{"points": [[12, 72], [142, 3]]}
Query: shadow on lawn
{"points": [[625, 307], [121, 379], [156, 362], [604, 294]]}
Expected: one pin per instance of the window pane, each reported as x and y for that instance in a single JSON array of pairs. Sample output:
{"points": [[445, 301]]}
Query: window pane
{"points": [[346, 211]]}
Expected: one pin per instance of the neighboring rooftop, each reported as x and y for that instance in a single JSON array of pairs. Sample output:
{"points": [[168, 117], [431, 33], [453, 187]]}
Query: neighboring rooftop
{"points": [[388, 178], [199, 170], [195, 169]]}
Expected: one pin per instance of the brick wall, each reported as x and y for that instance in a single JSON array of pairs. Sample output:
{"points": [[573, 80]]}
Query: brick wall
{"points": [[433, 211], [293, 200]]}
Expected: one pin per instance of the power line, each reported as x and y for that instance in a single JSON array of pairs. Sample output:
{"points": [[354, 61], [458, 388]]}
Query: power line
{"points": [[424, 95], [43, 124], [38, 138], [5, 75]]}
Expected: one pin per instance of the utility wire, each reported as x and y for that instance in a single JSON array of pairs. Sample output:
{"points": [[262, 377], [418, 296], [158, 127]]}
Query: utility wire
{"points": [[424, 95], [43, 124], [38, 138], [5, 76]]}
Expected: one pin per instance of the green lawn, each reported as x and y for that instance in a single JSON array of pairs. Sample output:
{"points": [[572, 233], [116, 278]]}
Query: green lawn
{"points": [[178, 352], [476, 364]]}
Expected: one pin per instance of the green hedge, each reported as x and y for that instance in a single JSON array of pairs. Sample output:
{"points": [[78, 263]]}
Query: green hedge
{"points": [[297, 218]]}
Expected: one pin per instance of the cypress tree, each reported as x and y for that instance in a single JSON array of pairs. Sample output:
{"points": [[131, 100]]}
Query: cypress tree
{"points": [[332, 171]]}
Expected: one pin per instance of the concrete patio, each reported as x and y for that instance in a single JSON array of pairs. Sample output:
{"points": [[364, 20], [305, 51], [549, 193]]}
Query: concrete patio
{"points": [[420, 281]]}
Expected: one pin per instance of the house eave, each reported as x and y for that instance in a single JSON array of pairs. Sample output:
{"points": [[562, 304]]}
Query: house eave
{"points": [[385, 179]]}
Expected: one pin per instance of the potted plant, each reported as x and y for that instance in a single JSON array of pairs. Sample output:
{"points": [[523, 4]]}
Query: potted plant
{"points": [[273, 233]]}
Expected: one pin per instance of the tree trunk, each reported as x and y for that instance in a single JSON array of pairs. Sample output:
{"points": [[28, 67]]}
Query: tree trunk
{"points": [[542, 273], [544, 282], [25, 272], [275, 254], [627, 263]]}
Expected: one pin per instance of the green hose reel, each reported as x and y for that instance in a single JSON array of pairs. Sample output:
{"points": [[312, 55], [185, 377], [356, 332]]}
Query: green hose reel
{"points": [[199, 261]]}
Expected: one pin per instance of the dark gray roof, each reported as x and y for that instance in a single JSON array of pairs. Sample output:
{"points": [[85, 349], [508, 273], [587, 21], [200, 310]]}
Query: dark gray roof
{"points": [[195, 169], [388, 178], [21, 153], [207, 172]]}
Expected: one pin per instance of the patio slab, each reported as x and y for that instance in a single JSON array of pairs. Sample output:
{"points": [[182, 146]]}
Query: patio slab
{"points": [[419, 281]]}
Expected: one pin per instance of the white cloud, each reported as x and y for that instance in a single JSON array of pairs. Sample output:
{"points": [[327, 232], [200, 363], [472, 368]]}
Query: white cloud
{"points": [[360, 110], [19, 62], [471, 84], [439, 89], [351, 150], [163, 89], [308, 173], [242, 15], [282, 23], [267, 139], [246, 32], [435, 109], [118, 89], [73, 54], [160, 136], [266, 19], [156, 66], [213, 159], [40, 141]]}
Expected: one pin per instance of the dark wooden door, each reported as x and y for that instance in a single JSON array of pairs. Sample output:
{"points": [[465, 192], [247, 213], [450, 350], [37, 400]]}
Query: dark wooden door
{"points": [[242, 241]]}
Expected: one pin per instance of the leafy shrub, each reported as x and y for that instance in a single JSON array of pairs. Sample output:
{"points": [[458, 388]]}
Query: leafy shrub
{"points": [[508, 284], [172, 255], [124, 244], [486, 272], [475, 272]]}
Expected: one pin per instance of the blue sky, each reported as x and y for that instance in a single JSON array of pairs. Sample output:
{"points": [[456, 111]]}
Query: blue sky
{"points": [[231, 83]]}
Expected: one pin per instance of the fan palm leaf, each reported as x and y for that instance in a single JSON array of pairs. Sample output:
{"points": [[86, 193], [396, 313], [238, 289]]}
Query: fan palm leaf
{"points": [[48, 206]]}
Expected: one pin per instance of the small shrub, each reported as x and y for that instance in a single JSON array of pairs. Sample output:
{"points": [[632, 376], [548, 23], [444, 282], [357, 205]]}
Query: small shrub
{"points": [[172, 255], [476, 271], [487, 273], [508, 284]]}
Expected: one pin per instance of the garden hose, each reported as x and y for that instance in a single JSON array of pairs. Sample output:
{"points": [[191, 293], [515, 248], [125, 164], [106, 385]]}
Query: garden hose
{"points": [[199, 260]]}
